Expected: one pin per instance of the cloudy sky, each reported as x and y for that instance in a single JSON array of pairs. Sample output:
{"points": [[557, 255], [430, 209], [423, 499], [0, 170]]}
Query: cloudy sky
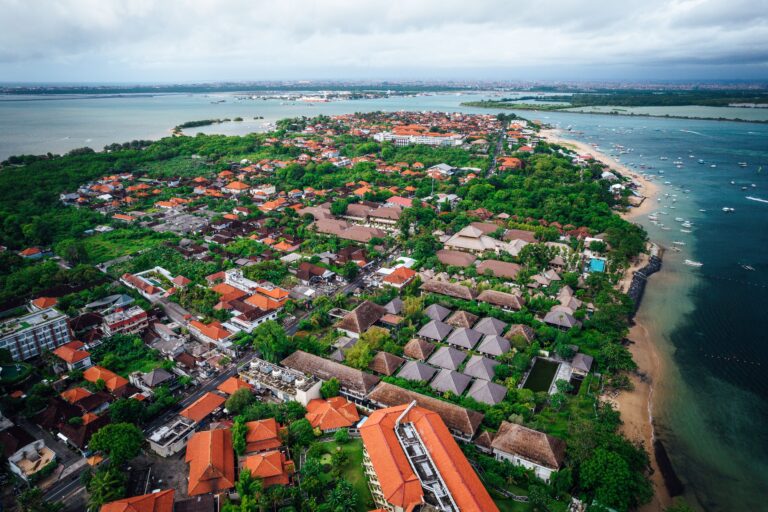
{"points": [[199, 40]]}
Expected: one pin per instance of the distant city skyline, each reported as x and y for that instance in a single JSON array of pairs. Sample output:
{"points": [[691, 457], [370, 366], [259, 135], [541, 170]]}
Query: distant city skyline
{"points": [[238, 40]]}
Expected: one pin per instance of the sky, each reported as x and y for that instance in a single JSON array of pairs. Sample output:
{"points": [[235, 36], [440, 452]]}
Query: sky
{"points": [[145, 41]]}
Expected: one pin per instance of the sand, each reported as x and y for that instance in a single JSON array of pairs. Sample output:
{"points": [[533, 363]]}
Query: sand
{"points": [[636, 406]]}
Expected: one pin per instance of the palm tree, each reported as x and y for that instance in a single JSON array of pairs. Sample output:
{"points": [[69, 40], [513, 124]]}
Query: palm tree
{"points": [[106, 485]]}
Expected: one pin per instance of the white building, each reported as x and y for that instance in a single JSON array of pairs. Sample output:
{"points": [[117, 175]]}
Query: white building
{"points": [[29, 335], [537, 451]]}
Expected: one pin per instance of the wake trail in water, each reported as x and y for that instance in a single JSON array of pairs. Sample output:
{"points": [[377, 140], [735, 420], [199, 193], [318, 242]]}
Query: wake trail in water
{"points": [[693, 132], [757, 199]]}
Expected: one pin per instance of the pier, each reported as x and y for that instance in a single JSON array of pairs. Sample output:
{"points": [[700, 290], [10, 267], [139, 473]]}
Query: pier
{"points": [[640, 277]]}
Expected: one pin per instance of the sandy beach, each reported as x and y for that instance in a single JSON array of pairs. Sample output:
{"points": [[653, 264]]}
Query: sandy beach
{"points": [[636, 406]]}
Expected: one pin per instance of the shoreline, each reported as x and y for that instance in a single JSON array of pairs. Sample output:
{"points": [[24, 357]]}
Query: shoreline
{"points": [[635, 406]]}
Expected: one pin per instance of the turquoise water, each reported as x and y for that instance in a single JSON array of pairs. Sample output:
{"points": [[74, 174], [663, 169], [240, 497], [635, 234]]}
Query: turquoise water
{"points": [[711, 408]]}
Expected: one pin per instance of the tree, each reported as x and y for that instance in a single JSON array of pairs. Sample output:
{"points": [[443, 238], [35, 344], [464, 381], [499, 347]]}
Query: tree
{"points": [[616, 357], [343, 498], [271, 341], [330, 388], [375, 337], [239, 433], [248, 485], [31, 500], [341, 436], [105, 486], [301, 433], [239, 400], [121, 441], [127, 410], [611, 480], [359, 356]]}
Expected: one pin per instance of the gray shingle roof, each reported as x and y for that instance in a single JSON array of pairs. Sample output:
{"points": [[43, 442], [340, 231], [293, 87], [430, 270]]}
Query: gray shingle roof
{"points": [[448, 357], [463, 337], [435, 330], [481, 367], [437, 312], [582, 362], [395, 306], [489, 325], [416, 370], [560, 319], [449, 380], [494, 345], [487, 392]]}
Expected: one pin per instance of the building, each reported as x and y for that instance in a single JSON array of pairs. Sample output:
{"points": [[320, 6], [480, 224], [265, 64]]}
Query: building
{"points": [[203, 407], [160, 501], [213, 333], [332, 414], [30, 335], [284, 383], [535, 450], [262, 436], [399, 277], [26, 455], [113, 382], [211, 461], [411, 459], [360, 319], [74, 355], [408, 135], [355, 384], [172, 437], [125, 321], [272, 468]]}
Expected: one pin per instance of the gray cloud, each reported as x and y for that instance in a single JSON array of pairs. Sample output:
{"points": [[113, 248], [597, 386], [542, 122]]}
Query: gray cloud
{"points": [[174, 40]]}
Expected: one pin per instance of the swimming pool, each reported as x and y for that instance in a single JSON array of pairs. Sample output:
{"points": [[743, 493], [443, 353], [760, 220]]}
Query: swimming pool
{"points": [[596, 265], [541, 375]]}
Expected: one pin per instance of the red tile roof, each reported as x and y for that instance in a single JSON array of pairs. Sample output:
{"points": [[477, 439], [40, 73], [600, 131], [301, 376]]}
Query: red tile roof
{"points": [[161, 501], [45, 302], [332, 414], [272, 468], [72, 352], [400, 276], [401, 487], [211, 461], [203, 407], [232, 384], [262, 435], [113, 381]]}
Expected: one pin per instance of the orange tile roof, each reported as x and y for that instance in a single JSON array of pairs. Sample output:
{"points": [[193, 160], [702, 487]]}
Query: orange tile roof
{"points": [[224, 288], [401, 487], [232, 384], [237, 185], [400, 276], [203, 407], [271, 467], [112, 380], [265, 303], [331, 414], [71, 352], [211, 462], [262, 435], [45, 302], [274, 293], [161, 501], [213, 330], [75, 394]]}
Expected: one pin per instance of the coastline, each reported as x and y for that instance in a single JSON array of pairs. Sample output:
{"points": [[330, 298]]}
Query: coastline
{"points": [[635, 406]]}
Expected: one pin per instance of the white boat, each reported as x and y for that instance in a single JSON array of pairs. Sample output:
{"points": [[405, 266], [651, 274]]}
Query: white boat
{"points": [[753, 185], [748, 267], [728, 209], [733, 182], [653, 217], [702, 210], [742, 164], [678, 242], [685, 230], [713, 166], [679, 219], [692, 263]]}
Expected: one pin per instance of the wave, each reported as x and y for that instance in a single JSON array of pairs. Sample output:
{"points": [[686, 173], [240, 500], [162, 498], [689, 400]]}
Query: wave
{"points": [[757, 199], [693, 132]]}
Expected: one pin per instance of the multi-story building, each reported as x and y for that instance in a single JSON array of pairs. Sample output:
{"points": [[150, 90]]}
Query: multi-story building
{"points": [[172, 437], [125, 321], [284, 383], [411, 460], [29, 335]]}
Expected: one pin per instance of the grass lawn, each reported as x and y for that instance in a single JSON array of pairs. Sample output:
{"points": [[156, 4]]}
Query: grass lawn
{"points": [[352, 471], [106, 246], [142, 365]]}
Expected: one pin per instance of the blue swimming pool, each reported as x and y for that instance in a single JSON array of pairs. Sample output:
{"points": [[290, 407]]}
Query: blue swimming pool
{"points": [[596, 265]]}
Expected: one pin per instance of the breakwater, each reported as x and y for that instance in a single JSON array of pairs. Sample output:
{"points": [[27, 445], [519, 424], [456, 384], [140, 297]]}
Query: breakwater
{"points": [[640, 277]]}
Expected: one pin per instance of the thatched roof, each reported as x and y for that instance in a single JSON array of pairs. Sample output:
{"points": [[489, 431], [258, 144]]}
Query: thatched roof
{"points": [[462, 318], [448, 289], [502, 299], [385, 363], [324, 369], [418, 349], [455, 258], [529, 444], [362, 317], [523, 330], [455, 417]]}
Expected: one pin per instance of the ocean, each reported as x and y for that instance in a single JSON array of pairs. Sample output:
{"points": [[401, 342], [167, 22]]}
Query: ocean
{"points": [[711, 406]]}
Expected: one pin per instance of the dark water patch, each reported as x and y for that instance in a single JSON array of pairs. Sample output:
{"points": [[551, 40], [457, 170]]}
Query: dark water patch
{"points": [[671, 481]]}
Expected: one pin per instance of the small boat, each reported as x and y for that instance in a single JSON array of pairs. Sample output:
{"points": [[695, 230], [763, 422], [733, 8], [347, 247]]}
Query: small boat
{"points": [[733, 182], [713, 166], [748, 267], [676, 249], [679, 219], [742, 164], [701, 161], [678, 242], [653, 217], [702, 210], [753, 185], [686, 224], [663, 158], [692, 263], [728, 209], [685, 230], [743, 188]]}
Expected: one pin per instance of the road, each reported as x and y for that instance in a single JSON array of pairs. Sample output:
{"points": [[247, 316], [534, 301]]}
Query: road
{"points": [[71, 492]]}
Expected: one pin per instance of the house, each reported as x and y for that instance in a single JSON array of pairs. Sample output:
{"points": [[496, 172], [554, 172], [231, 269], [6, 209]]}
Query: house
{"points": [[74, 355], [498, 268], [561, 319], [262, 436], [418, 349], [309, 273], [160, 501], [461, 318], [455, 258], [481, 367], [272, 468], [490, 326], [464, 337], [360, 319], [437, 312], [385, 363], [400, 440], [114, 383], [487, 392], [355, 384], [150, 381], [532, 449], [211, 461], [235, 188], [213, 333], [581, 364], [332, 414], [399, 277], [457, 291], [494, 345], [417, 371], [26, 455], [42, 303], [233, 384], [473, 240], [506, 301], [203, 407], [434, 330], [450, 381], [125, 321], [448, 358]]}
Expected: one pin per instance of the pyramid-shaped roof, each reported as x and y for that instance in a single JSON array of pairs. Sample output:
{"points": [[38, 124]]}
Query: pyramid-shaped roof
{"points": [[448, 357]]}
